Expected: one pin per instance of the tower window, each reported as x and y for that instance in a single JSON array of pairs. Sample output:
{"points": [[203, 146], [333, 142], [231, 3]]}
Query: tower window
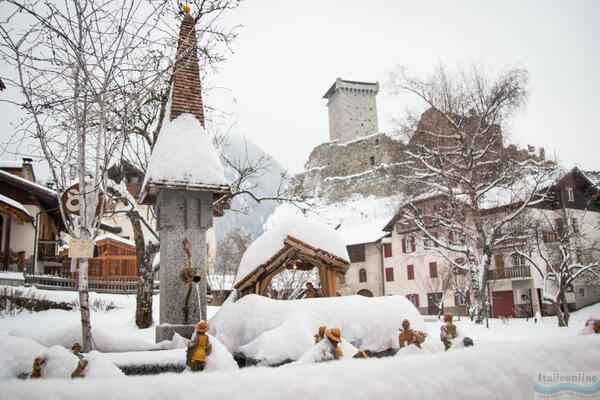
{"points": [[372, 160]]}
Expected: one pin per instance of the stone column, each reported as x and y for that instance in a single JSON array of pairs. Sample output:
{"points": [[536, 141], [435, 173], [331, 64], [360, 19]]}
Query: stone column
{"points": [[181, 214]]}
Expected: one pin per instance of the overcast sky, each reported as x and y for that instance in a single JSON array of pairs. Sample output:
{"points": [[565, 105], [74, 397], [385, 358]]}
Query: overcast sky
{"points": [[290, 52]]}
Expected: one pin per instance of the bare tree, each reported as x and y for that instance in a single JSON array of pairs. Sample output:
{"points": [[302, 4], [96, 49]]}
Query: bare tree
{"points": [[231, 249], [290, 284], [557, 246], [72, 61], [457, 153], [442, 284]]}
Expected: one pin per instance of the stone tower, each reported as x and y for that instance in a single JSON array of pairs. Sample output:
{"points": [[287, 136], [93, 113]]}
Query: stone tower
{"points": [[352, 109]]}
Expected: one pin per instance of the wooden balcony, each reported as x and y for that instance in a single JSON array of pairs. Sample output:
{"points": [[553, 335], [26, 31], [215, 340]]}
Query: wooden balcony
{"points": [[48, 250], [523, 271]]}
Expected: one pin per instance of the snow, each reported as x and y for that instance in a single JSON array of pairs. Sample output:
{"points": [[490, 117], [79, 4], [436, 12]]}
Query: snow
{"points": [[369, 232], [66, 336], [321, 350], [276, 331], [500, 365], [115, 238], [184, 155], [278, 227], [17, 355], [464, 374], [14, 204], [60, 363], [13, 276]]}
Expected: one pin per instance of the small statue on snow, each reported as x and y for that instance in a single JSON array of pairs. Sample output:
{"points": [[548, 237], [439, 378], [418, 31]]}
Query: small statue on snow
{"points": [[37, 367], [198, 348], [449, 332], [311, 291], [408, 336], [334, 337]]}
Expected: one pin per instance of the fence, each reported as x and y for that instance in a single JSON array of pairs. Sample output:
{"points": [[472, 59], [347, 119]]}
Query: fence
{"points": [[117, 286]]}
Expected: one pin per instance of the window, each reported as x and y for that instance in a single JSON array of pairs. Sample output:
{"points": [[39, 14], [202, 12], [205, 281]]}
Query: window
{"points": [[455, 238], [413, 298], [410, 272], [135, 179], [362, 275], [372, 160], [570, 195], [356, 252], [377, 142], [516, 225], [460, 299], [581, 292], [433, 269], [518, 260], [429, 242], [389, 274], [408, 244], [387, 250]]}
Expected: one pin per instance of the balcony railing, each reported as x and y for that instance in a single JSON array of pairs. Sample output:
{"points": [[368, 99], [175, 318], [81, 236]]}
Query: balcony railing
{"points": [[48, 250], [509, 273]]}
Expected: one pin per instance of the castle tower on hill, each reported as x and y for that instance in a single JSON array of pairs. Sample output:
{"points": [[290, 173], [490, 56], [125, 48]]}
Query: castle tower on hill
{"points": [[352, 109]]}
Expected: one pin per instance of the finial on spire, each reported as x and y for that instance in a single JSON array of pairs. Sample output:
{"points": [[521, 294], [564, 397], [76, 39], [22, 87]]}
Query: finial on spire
{"points": [[186, 9]]}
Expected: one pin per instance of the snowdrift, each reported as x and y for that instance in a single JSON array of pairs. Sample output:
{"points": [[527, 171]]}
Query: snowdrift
{"points": [[491, 371], [272, 332], [102, 341]]}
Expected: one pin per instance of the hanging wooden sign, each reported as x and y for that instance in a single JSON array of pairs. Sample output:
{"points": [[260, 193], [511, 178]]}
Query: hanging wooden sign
{"points": [[70, 201]]}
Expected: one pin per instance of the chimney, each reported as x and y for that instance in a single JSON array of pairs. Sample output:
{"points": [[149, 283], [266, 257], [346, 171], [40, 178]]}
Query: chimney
{"points": [[187, 92], [27, 169]]}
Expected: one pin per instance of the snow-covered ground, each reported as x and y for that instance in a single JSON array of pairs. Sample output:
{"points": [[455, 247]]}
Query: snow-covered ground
{"points": [[502, 363]]}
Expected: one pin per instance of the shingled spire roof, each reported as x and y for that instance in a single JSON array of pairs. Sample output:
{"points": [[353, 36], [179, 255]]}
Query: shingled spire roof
{"points": [[187, 92]]}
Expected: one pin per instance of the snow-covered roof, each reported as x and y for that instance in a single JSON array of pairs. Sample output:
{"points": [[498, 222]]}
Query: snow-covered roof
{"points": [[368, 232], [14, 276], [593, 177], [11, 164], [183, 157], [115, 238], [311, 232], [36, 187], [15, 204]]}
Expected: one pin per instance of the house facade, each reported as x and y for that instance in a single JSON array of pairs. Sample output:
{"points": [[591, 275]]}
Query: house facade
{"points": [[425, 276], [30, 222]]}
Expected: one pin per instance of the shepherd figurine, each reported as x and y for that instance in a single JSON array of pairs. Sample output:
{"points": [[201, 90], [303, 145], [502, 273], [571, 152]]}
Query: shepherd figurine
{"points": [[448, 331], [334, 336], [198, 348], [408, 336]]}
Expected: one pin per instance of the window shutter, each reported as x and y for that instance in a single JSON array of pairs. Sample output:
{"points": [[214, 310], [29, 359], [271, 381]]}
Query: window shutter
{"points": [[498, 261], [387, 249], [417, 300], [410, 271], [389, 274], [404, 245], [412, 242], [435, 244], [433, 269]]}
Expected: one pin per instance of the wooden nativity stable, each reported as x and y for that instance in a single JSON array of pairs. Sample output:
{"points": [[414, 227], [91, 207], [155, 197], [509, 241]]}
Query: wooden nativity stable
{"points": [[296, 254]]}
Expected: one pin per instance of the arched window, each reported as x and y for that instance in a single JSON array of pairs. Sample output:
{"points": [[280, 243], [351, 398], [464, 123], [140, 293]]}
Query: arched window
{"points": [[362, 275]]}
